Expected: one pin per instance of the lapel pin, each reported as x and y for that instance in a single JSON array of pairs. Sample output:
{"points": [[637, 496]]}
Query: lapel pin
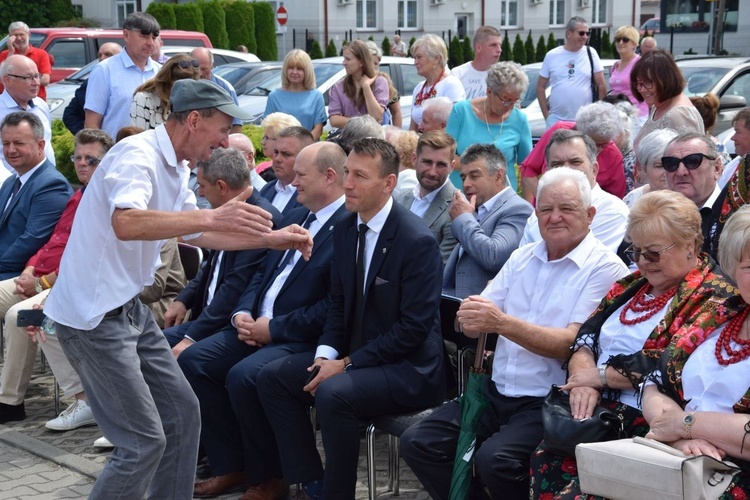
{"points": [[383, 250]]}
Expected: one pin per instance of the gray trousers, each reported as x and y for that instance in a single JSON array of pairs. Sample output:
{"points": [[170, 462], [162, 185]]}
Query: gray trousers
{"points": [[142, 403]]}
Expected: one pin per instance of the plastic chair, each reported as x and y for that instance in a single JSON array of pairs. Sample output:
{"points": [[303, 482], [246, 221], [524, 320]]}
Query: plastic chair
{"points": [[191, 258]]}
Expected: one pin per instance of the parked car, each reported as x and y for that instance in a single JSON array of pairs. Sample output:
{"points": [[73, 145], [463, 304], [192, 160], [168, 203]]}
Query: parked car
{"points": [[73, 48], [244, 76], [328, 71], [59, 94], [727, 77], [653, 25]]}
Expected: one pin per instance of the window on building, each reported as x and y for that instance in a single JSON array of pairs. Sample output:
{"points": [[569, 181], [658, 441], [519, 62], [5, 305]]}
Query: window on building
{"points": [[557, 12], [367, 11], [599, 14], [509, 13], [407, 14], [124, 9], [697, 15]]}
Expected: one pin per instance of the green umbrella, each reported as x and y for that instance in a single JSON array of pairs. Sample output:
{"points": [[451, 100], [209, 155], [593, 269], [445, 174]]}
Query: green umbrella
{"points": [[473, 404]]}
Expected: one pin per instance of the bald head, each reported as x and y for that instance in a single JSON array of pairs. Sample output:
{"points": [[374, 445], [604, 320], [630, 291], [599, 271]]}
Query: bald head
{"points": [[648, 44], [21, 78], [244, 145], [206, 60], [319, 175], [108, 50]]}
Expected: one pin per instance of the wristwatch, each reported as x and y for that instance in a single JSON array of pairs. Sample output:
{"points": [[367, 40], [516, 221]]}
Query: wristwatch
{"points": [[38, 286], [603, 376], [347, 364], [688, 420]]}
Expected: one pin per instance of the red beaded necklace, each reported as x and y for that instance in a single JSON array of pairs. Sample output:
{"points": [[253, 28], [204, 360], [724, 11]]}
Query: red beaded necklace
{"points": [[641, 304], [731, 333], [423, 96]]}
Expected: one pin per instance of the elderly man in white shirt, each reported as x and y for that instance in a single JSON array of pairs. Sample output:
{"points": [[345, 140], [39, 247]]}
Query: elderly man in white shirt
{"points": [[536, 304], [137, 198]]}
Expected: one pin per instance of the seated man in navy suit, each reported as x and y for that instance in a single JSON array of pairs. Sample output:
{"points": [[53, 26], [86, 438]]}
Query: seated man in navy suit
{"points": [[31, 201], [289, 142], [281, 313], [214, 291], [488, 222], [381, 350]]}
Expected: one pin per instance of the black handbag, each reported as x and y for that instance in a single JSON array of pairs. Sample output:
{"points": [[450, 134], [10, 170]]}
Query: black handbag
{"points": [[562, 433]]}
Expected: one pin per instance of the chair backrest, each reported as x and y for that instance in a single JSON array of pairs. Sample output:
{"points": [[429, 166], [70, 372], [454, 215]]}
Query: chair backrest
{"points": [[191, 258]]}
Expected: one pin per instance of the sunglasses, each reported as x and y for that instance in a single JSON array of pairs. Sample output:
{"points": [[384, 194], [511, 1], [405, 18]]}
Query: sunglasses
{"points": [[186, 64], [146, 32], [691, 162], [635, 253], [621, 40], [583, 33], [91, 161]]}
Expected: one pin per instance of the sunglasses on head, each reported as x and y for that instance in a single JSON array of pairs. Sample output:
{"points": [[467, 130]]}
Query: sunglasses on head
{"points": [[186, 64], [691, 162], [635, 253]]}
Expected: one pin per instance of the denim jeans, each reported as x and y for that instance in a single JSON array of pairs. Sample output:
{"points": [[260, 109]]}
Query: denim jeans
{"points": [[142, 403]]}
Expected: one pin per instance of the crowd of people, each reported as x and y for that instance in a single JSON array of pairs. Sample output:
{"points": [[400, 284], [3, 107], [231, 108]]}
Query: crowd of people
{"points": [[592, 256]]}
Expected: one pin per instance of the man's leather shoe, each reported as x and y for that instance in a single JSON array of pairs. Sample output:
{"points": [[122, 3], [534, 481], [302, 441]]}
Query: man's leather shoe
{"points": [[10, 413], [273, 489], [219, 485]]}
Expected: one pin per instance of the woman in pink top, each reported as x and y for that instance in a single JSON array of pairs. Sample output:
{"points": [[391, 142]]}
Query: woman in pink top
{"points": [[626, 41]]}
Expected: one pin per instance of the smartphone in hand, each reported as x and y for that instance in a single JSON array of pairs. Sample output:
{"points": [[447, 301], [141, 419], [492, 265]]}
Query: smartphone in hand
{"points": [[313, 374], [30, 317]]}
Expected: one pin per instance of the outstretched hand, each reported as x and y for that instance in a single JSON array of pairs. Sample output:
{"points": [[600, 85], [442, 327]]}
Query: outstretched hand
{"points": [[239, 216]]}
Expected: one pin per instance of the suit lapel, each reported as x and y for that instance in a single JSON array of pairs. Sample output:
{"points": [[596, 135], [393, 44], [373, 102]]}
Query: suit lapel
{"points": [[5, 191], [502, 200], [25, 187], [438, 206], [382, 246]]}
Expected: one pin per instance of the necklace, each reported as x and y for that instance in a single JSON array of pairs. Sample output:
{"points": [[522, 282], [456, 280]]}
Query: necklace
{"points": [[423, 96], [731, 333], [642, 302], [487, 124]]}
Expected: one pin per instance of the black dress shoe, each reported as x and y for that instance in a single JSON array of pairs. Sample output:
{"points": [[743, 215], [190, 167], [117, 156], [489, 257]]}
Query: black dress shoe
{"points": [[220, 485], [10, 413], [203, 471]]}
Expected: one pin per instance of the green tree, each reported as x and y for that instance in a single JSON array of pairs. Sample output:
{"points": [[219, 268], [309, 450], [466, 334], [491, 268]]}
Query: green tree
{"points": [[331, 49], [506, 50], [265, 31], [315, 51], [411, 42], [189, 17], [60, 10], [606, 52], [519, 51], [530, 49], [241, 25], [32, 13], [468, 49], [455, 53], [551, 42], [386, 46], [541, 49], [164, 13], [215, 23]]}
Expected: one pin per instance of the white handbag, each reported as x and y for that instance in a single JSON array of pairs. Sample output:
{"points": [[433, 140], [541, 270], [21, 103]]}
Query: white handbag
{"points": [[626, 469]]}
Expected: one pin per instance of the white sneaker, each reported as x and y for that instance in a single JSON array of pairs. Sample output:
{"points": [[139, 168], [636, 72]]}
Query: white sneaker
{"points": [[103, 442], [74, 416]]}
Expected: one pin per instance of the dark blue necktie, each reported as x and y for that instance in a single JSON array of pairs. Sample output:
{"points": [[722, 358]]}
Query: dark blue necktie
{"points": [[289, 253], [357, 339]]}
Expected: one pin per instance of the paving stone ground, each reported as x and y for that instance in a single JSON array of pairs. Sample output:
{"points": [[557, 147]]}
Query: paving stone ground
{"points": [[39, 464]]}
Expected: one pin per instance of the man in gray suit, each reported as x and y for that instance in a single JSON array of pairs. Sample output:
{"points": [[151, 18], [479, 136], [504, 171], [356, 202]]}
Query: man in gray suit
{"points": [[488, 225], [431, 197]]}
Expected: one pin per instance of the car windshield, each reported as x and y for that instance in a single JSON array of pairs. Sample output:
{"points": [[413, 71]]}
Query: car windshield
{"points": [[323, 72], [700, 80], [530, 94]]}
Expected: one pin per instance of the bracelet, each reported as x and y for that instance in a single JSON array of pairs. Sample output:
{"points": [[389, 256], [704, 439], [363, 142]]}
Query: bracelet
{"points": [[45, 283], [603, 376]]}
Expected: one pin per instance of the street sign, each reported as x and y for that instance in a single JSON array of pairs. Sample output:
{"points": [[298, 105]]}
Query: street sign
{"points": [[281, 15]]}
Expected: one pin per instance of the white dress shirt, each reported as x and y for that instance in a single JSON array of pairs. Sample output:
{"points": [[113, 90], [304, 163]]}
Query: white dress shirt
{"points": [[283, 195], [420, 204]]}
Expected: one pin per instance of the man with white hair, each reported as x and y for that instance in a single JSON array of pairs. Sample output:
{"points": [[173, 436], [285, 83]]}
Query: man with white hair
{"points": [[398, 48], [473, 74], [244, 145], [18, 43], [647, 44], [535, 305], [436, 113], [206, 59]]}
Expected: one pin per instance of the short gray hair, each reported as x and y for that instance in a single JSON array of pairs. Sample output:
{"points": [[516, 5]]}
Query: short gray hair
{"points": [[493, 157], [562, 135], [600, 121], [651, 147], [360, 127], [734, 242], [440, 106], [228, 165], [508, 76], [18, 117], [689, 136], [560, 175], [573, 21], [18, 25]]}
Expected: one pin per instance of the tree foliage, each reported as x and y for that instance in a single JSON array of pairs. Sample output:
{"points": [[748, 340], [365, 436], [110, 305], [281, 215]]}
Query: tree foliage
{"points": [[315, 51], [32, 13], [468, 49], [506, 50], [189, 17], [551, 42], [331, 50], [60, 11], [519, 51], [411, 42], [606, 51], [164, 13], [530, 49], [241, 25], [386, 46], [455, 53], [541, 49], [215, 23], [265, 31]]}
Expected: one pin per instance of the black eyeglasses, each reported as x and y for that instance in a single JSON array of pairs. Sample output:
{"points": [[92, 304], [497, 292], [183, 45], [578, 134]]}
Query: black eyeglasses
{"points": [[91, 161], [621, 39], [583, 33], [26, 78], [186, 64], [634, 253], [691, 162]]}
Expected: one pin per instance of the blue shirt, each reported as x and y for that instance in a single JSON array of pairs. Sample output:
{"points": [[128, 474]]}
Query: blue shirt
{"points": [[228, 87], [307, 106], [111, 87]]}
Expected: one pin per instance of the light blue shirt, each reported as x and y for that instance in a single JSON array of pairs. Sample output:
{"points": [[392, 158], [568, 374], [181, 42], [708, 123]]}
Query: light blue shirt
{"points": [[307, 106], [36, 106], [228, 87], [111, 87]]}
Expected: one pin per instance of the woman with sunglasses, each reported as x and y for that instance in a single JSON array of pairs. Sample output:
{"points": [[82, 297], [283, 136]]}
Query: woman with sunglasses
{"points": [[495, 118], [150, 106], [657, 81], [299, 95], [626, 41], [622, 340]]}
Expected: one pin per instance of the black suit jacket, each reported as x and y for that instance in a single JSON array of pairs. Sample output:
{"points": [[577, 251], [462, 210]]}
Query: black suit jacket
{"points": [[299, 310], [269, 192], [235, 272], [401, 313]]}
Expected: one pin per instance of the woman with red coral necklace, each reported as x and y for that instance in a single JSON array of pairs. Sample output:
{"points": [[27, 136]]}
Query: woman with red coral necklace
{"points": [[700, 402], [624, 338]]}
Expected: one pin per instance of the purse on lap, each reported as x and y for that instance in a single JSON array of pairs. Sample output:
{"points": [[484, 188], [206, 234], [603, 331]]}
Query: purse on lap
{"points": [[643, 468], [562, 432]]}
